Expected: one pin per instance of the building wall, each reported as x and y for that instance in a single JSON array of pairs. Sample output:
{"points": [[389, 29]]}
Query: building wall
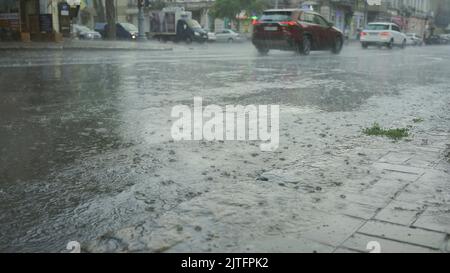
{"points": [[418, 5], [417, 25], [50, 7], [127, 11], [382, 10], [28, 14]]}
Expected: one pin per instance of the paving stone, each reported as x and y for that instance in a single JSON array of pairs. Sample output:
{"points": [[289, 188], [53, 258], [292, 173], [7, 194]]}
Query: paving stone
{"points": [[429, 149], [434, 219], [334, 230], [396, 157], [359, 242], [346, 207], [443, 165], [432, 188], [287, 244], [357, 185], [400, 212], [385, 188], [345, 250], [374, 201], [417, 198], [362, 211], [398, 168], [405, 234], [434, 179], [394, 175], [423, 160]]}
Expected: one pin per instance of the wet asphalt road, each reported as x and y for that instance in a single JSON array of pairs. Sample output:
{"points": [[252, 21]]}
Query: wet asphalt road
{"points": [[79, 127]]}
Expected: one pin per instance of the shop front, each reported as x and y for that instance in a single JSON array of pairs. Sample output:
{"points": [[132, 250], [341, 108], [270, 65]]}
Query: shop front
{"points": [[357, 25], [342, 16], [339, 19], [9, 20], [29, 20]]}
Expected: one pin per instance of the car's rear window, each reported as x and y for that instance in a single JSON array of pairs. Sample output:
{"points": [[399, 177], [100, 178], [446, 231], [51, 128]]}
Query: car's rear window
{"points": [[276, 16], [377, 27]]}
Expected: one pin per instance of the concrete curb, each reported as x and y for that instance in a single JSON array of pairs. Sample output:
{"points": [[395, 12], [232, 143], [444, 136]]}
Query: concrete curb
{"points": [[79, 48]]}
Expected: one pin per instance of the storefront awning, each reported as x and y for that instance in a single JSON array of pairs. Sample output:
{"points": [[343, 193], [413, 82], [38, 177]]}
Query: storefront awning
{"points": [[309, 3]]}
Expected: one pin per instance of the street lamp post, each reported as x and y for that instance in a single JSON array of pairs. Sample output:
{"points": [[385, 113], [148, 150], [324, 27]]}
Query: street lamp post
{"points": [[141, 19], [366, 13], [73, 3]]}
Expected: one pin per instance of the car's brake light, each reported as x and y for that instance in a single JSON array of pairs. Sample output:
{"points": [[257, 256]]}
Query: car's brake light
{"points": [[385, 34], [256, 22], [287, 23], [363, 33]]}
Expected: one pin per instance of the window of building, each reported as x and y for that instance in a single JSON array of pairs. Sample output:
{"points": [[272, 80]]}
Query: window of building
{"points": [[9, 6]]}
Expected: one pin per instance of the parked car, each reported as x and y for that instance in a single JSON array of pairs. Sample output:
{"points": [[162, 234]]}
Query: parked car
{"points": [[413, 39], [85, 33], [445, 39], [194, 31], [437, 40], [383, 34], [124, 31], [211, 36], [295, 29], [100, 28], [228, 35], [176, 24]]}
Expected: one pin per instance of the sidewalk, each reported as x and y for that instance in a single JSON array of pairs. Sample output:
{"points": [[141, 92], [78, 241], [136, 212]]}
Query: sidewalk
{"points": [[87, 45], [342, 194], [401, 205], [404, 206]]}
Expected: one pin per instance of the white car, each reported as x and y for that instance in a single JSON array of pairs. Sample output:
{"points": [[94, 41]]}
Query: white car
{"points": [[228, 35], [85, 33], [445, 39], [414, 40], [383, 34], [211, 36]]}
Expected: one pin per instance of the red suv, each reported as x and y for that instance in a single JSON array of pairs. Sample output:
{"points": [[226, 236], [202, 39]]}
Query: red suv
{"points": [[295, 29]]}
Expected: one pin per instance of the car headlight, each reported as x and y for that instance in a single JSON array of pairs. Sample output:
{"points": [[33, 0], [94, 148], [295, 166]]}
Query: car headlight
{"points": [[133, 36], [196, 34]]}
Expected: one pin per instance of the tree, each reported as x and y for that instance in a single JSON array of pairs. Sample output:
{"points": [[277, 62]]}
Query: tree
{"points": [[111, 19], [442, 17], [100, 10], [255, 5], [230, 8], [157, 4], [226, 9]]}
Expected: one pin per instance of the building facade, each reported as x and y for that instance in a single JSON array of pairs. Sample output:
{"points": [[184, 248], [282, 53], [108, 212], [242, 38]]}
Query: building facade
{"points": [[414, 16], [34, 20], [350, 16], [44, 19], [93, 11]]}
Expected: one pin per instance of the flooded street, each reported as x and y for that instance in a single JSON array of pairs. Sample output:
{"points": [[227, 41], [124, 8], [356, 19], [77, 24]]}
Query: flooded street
{"points": [[86, 152]]}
